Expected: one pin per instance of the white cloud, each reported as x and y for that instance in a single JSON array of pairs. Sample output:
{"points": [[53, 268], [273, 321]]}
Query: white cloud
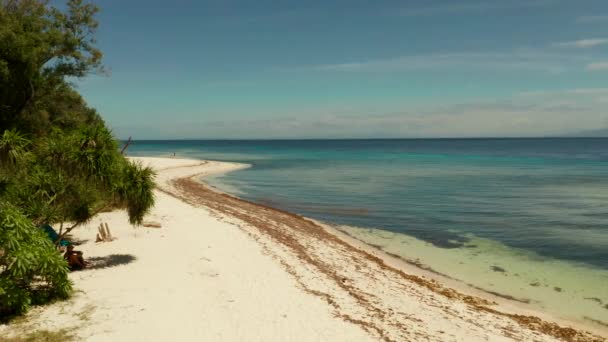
{"points": [[598, 66], [540, 113], [589, 91], [522, 59], [478, 7], [574, 91], [589, 19], [584, 43], [469, 120]]}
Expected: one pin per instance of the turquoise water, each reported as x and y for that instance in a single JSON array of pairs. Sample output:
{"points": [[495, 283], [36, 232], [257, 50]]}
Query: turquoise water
{"points": [[520, 217]]}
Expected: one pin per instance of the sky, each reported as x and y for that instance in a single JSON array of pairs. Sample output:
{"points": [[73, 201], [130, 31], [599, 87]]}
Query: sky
{"points": [[227, 69]]}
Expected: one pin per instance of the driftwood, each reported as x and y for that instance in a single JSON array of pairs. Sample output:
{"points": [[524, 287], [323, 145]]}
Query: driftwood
{"points": [[104, 234], [151, 224]]}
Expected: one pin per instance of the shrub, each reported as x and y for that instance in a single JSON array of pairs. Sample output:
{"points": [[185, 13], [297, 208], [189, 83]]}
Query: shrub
{"points": [[31, 269]]}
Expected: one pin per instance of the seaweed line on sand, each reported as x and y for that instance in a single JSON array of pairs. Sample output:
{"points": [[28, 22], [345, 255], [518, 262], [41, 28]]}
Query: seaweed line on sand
{"points": [[292, 232]]}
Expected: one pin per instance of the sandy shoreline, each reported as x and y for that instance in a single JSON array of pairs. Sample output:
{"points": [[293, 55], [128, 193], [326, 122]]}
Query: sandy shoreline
{"points": [[223, 269], [503, 302]]}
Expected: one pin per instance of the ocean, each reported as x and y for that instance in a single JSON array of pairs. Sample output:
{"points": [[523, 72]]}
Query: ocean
{"points": [[523, 218]]}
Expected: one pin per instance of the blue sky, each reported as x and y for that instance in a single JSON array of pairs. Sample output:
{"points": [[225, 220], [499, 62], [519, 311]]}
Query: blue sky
{"points": [[347, 69]]}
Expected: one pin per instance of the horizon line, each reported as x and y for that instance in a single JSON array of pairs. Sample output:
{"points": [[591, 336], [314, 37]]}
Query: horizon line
{"points": [[346, 139]]}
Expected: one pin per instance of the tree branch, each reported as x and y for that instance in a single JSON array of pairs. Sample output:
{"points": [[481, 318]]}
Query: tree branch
{"points": [[126, 146], [75, 225], [29, 99]]}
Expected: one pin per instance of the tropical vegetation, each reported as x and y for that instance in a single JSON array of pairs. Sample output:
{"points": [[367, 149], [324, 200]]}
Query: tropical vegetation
{"points": [[59, 163]]}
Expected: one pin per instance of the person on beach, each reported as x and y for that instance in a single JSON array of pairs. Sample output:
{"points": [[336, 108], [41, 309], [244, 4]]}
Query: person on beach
{"points": [[74, 259]]}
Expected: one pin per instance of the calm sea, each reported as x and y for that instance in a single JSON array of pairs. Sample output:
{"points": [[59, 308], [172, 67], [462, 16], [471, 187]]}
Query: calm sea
{"points": [[525, 218]]}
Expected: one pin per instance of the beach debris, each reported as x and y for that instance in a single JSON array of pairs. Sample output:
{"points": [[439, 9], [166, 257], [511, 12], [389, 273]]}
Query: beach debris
{"points": [[535, 284], [557, 289], [104, 234], [151, 224]]}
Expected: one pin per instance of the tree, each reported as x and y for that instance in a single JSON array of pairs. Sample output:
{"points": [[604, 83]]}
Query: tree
{"points": [[39, 47], [59, 163]]}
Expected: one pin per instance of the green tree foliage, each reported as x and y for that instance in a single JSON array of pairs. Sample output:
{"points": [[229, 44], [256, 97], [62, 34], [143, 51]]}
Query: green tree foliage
{"points": [[31, 271], [59, 163], [39, 47]]}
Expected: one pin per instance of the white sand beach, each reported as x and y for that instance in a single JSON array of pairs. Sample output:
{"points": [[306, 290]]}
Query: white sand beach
{"points": [[223, 269]]}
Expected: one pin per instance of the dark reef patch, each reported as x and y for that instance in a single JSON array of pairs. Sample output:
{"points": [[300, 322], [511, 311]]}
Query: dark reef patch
{"points": [[498, 269], [595, 299], [505, 296]]}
